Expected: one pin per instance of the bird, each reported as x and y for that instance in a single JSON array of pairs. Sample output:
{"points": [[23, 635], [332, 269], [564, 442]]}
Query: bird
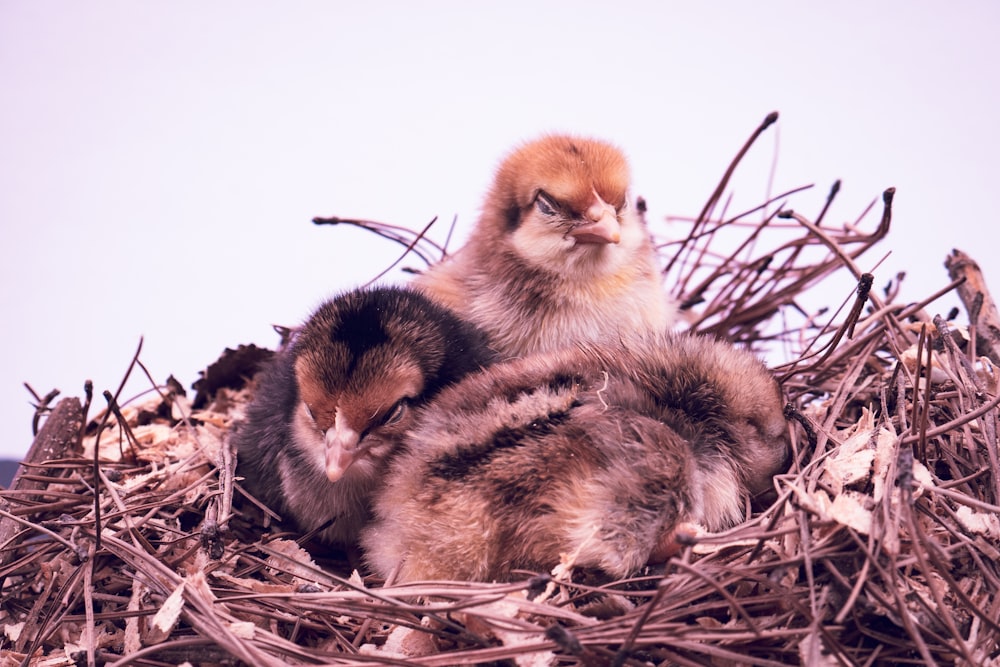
{"points": [[595, 453], [558, 254], [330, 408]]}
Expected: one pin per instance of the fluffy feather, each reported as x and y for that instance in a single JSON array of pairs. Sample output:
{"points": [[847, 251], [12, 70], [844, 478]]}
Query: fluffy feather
{"points": [[596, 452], [329, 410], [558, 256]]}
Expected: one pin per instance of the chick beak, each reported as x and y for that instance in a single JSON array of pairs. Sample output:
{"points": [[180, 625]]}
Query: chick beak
{"points": [[341, 449], [602, 226]]}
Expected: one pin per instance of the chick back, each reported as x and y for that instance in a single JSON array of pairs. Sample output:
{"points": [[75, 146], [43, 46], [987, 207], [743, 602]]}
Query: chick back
{"points": [[593, 455]]}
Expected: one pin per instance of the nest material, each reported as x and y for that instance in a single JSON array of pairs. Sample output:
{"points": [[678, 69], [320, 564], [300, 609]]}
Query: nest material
{"points": [[120, 543]]}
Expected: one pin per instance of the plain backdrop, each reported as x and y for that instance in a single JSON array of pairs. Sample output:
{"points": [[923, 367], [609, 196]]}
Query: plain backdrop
{"points": [[160, 163]]}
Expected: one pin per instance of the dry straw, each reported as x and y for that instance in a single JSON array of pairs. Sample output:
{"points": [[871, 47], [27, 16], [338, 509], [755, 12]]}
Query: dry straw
{"points": [[125, 539]]}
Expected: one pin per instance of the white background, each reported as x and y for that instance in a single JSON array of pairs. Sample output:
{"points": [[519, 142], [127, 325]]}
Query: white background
{"points": [[160, 162]]}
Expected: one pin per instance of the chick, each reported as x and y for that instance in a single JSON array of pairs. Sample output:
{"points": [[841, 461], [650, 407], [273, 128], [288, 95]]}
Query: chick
{"points": [[593, 454], [558, 256], [330, 409]]}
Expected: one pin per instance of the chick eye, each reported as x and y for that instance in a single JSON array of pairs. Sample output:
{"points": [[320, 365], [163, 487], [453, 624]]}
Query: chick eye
{"points": [[546, 205], [309, 412], [395, 413]]}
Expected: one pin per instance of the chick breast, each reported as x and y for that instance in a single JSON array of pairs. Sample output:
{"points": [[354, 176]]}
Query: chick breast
{"points": [[557, 256], [329, 410], [595, 454]]}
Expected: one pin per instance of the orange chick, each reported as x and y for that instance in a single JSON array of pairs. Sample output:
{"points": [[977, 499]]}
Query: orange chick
{"points": [[558, 255]]}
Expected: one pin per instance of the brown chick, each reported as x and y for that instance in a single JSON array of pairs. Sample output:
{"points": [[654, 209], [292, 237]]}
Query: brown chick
{"points": [[558, 256], [330, 409], [594, 454]]}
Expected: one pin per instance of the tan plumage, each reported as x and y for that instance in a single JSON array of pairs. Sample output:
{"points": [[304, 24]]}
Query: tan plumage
{"points": [[558, 256], [329, 410], [596, 452]]}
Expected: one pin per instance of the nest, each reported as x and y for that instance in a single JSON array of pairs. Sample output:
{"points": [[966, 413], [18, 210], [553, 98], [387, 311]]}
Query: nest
{"points": [[126, 538]]}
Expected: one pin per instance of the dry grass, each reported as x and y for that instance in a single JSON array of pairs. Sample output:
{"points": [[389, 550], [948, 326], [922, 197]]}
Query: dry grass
{"points": [[119, 541]]}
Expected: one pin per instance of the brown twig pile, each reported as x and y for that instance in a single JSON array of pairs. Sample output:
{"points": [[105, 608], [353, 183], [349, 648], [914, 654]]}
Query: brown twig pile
{"points": [[127, 540]]}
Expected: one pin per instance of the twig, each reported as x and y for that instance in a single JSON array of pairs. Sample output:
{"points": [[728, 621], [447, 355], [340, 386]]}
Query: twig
{"points": [[768, 121], [402, 256], [41, 406]]}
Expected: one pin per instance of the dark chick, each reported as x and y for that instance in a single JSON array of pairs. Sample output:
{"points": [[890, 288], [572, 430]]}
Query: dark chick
{"points": [[329, 411], [595, 454]]}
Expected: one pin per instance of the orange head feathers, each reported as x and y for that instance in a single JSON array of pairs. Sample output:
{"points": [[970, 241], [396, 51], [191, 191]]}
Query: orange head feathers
{"points": [[579, 184]]}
